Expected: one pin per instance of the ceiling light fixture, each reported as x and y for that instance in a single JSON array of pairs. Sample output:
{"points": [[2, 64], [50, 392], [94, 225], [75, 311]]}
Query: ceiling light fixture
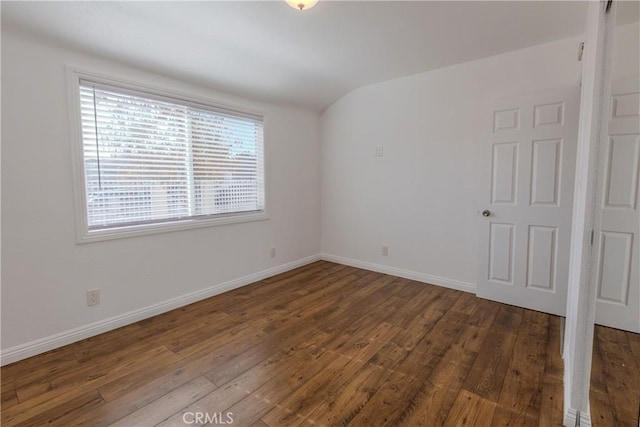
{"points": [[302, 4]]}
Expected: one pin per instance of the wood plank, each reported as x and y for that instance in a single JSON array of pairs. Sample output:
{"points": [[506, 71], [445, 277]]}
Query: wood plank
{"points": [[602, 412], [215, 402], [554, 366], [405, 316], [84, 350], [124, 384], [352, 355], [328, 300], [432, 408], [598, 372], [222, 373], [362, 346], [471, 339], [470, 410], [507, 319], [272, 392], [51, 365], [241, 299], [275, 298], [64, 413], [125, 404], [295, 408], [410, 289], [249, 410], [457, 361], [490, 367], [388, 403], [319, 293], [162, 408], [359, 305], [621, 374], [75, 385], [220, 400], [634, 345], [430, 349], [466, 303], [17, 370], [324, 345], [551, 410], [228, 343], [551, 406], [436, 395], [521, 394], [344, 405], [484, 314], [8, 399], [399, 347]]}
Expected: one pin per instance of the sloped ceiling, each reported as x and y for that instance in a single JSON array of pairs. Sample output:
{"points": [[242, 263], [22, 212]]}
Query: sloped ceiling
{"points": [[267, 51]]}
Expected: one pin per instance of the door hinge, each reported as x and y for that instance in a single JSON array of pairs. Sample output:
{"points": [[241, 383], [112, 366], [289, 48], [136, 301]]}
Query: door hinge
{"points": [[580, 51], [592, 236], [608, 6]]}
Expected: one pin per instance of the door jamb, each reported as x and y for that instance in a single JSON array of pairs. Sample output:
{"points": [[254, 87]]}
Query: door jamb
{"points": [[581, 296]]}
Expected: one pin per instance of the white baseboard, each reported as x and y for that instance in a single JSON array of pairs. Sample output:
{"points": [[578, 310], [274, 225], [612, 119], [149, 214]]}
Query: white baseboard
{"points": [[42, 345], [22, 351], [571, 418], [407, 274]]}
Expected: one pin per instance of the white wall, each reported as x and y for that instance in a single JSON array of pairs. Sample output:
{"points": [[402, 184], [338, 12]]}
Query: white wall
{"points": [[46, 274], [420, 198]]}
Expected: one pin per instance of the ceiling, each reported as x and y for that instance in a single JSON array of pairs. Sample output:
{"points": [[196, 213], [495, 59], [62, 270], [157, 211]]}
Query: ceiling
{"points": [[267, 51]]}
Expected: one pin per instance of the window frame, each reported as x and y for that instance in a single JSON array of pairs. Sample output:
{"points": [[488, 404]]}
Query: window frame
{"points": [[83, 234]]}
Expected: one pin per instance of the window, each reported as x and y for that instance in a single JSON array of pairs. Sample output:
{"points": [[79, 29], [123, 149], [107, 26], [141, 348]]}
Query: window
{"points": [[152, 161]]}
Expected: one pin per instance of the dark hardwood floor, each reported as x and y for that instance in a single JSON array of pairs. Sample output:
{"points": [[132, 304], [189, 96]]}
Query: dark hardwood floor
{"points": [[615, 378], [324, 344]]}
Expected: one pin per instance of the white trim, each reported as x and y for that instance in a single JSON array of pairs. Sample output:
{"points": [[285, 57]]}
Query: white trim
{"points": [[168, 226], [407, 274], [581, 296], [83, 235], [571, 419], [42, 345], [143, 86]]}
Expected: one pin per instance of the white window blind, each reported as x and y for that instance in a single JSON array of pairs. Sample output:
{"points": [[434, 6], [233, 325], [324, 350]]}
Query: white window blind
{"points": [[151, 159]]}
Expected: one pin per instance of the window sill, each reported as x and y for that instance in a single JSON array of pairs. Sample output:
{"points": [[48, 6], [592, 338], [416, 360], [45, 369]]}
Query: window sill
{"points": [[167, 227]]}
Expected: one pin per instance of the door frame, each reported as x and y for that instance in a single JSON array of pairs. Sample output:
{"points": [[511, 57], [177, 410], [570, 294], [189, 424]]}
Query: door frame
{"points": [[592, 132]]}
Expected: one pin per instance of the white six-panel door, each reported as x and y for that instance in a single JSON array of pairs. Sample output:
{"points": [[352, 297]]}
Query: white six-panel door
{"points": [[618, 251], [527, 171]]}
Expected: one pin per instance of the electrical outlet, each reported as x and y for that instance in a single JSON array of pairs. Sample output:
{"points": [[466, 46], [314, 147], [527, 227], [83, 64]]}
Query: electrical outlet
{"points": [[93, 297], [273, 252], [385, 250]]}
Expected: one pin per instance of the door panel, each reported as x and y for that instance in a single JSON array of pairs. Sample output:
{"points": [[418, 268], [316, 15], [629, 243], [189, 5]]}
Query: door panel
{"points": [[527, 170], [549, 114], [541, 263], [618, 251], [505, 171], [622, 172], [545, 172], [615, 267], [501, 253]]}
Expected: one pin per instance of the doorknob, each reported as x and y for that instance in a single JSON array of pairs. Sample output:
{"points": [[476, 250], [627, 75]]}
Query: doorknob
{"points": [[486, 213]]}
